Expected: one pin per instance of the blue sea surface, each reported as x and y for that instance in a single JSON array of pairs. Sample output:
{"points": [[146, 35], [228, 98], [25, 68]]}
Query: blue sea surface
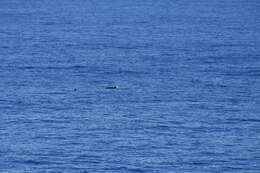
{"points": [[188, 86]]}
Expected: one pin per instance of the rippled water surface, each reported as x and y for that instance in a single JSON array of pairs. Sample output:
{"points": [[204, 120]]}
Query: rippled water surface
{"points": [[188, 77]]}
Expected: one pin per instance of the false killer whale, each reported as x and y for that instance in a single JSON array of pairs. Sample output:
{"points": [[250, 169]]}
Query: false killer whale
{"points": [[112, 87]]}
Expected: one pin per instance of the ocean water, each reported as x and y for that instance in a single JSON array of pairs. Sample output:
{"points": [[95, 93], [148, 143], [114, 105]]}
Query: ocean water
{"points": [[188, 77]]}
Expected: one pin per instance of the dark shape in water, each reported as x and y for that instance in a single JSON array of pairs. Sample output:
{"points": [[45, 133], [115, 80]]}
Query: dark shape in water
{"points": [[112, 87]]}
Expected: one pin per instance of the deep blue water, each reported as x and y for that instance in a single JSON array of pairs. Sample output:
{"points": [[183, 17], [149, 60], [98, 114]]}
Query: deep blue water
{"points": [[188, 74]]}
